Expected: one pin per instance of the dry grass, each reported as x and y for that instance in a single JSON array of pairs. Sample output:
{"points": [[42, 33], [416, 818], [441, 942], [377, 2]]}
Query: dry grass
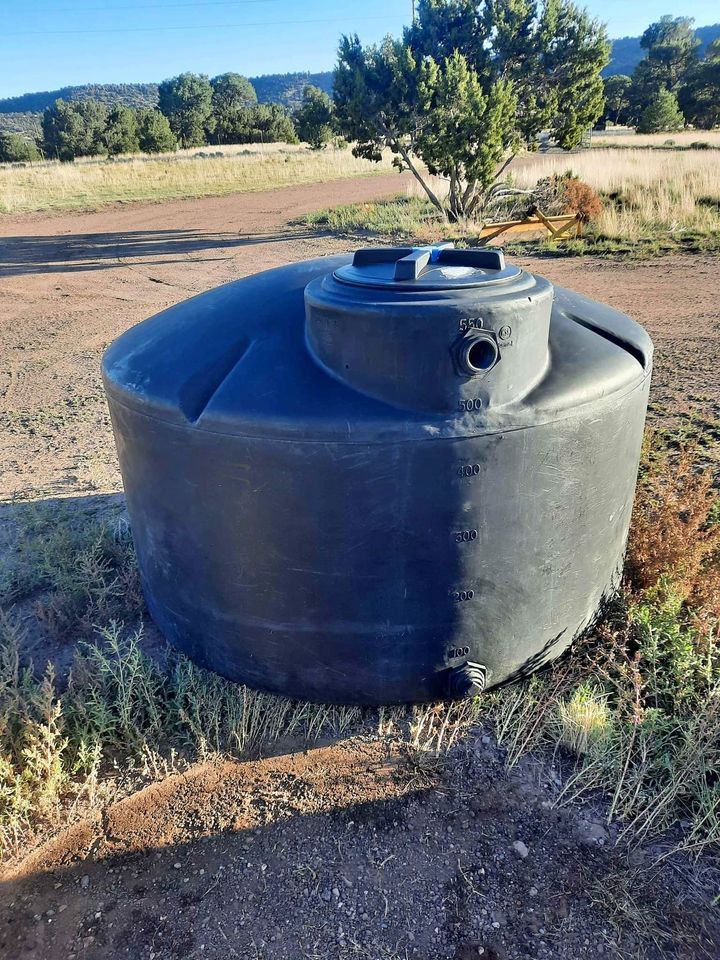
{"points": [[647, 195], [645, 192], [684, 139], [88, 184]]}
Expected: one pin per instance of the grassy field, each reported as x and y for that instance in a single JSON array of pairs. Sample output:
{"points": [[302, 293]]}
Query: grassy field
{"points": [[644, 193], [684, 139], [211, 171]]}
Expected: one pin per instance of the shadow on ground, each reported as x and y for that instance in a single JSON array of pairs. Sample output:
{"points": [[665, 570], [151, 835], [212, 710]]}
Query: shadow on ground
{"points": [[97, 251], [345, 851]]}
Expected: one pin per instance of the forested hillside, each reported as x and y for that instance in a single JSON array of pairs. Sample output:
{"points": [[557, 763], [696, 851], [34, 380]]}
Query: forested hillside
{"points": [[28, 124], [111, 94], [287, 88], [627, 52], [283, 88]]}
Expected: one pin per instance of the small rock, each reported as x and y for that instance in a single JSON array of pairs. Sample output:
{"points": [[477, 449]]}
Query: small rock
{"points": [[326, 895], [596, 833], [177, 865], [562, 910], [85, 882], [520, 849]]}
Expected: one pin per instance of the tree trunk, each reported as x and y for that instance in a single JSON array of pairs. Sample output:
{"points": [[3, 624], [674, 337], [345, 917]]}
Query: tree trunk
{"points": [[393, 142], [432, 197]]}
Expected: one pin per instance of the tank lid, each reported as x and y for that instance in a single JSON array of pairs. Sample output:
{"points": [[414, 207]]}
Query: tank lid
{"points": [[426, 268]]}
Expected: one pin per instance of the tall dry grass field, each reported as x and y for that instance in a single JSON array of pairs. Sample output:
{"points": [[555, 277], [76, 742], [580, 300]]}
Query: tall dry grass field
{"points": [[86, 185], [682, 139], [646, 191]]}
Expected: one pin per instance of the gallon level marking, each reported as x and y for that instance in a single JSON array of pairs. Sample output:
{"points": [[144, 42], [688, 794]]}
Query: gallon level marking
{"points": [[465, 536], [460, 596], [471, 323], [455, 652], [469, 470]]}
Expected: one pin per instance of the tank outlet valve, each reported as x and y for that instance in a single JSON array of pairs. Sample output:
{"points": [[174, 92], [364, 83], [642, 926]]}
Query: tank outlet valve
{"points": [[478, 354]]}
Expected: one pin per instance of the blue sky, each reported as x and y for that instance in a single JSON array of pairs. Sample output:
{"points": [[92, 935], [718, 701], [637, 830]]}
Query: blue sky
{"points": [[46, 44]]}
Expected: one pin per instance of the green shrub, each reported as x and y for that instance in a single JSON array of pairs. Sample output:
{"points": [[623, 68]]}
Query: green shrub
{"points": [[14, 148]]}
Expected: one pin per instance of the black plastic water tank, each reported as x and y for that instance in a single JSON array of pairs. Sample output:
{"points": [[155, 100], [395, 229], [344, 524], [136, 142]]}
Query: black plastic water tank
{"points": [[398, 476]]}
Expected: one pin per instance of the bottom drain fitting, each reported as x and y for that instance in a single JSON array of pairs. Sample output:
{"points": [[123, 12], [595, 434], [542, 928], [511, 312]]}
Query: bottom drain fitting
{"points": [[467, 680]]}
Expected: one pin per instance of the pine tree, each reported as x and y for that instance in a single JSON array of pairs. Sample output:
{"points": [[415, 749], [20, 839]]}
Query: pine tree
{"points": [[662, 115], [468, 82]]}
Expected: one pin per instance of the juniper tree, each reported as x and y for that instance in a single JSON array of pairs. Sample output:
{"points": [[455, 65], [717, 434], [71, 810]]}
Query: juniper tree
{"points": [[121, 132], [154, 133], [231, 94], [467, 84], [314, 118], [186, 100]]}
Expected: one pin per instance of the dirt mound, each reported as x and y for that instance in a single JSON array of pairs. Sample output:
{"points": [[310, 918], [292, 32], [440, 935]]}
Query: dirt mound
{"points": [[216, 797], [354, 850]]}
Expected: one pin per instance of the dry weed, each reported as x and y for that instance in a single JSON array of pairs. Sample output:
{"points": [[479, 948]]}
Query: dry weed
{"points": [[674, 536]]}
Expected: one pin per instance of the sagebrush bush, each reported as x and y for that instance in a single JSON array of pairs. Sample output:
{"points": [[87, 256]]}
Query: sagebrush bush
{"points": [[580, 198], [79, 571], [675, 536]]}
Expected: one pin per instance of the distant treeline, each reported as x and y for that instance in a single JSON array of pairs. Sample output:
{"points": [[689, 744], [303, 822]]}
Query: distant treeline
{"points": [[192, 111], [677, 82]]}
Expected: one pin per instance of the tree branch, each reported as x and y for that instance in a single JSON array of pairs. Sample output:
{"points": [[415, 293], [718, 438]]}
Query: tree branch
{"points": [[503, 167]]}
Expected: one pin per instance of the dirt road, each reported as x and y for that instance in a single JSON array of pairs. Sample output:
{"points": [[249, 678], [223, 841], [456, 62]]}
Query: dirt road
{"points": [[70, 284]]}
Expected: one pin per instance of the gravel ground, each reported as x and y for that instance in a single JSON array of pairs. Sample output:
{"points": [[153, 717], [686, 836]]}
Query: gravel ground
{"points": [[360, 849]]}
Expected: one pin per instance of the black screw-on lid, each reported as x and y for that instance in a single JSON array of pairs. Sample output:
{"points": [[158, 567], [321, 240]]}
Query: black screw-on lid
{"points": [[427, 268]]}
